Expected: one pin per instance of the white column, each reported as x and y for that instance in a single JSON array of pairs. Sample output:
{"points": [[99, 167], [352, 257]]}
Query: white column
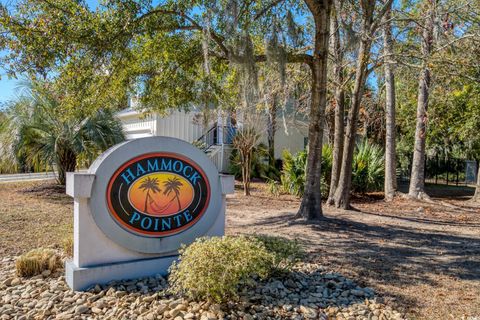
{"points": [[220, 127], [79, 186]]}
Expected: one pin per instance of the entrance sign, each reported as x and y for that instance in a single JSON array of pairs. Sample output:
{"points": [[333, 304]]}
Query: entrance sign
{"points": [[138, 203], [158, 194]]}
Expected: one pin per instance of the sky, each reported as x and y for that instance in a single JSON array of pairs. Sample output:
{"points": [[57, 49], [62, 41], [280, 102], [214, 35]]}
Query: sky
{"points": [[9, 88]]}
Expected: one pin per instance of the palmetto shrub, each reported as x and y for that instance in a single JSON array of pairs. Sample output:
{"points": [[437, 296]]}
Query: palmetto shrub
{"points": [[274, 187], [293, 172], [367, 170], [327, 160], [35, 130], [214, 268], [294, 167]]}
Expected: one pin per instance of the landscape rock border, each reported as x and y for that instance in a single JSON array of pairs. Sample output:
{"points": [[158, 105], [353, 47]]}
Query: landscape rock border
{"points": [[308, 292]]}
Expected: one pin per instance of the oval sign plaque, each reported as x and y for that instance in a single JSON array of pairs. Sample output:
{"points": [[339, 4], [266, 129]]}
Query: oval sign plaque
{"points": [[158, 194], [152, 195]]}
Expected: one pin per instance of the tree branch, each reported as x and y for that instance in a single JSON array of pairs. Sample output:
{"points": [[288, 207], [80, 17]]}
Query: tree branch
{"points": [[291, 58], [264, 10], [194, 25], [387, 6], [454, 41]]}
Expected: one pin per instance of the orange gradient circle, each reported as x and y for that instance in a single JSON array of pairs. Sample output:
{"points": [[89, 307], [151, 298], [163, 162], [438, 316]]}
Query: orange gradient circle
{"points": [[164, 200]]}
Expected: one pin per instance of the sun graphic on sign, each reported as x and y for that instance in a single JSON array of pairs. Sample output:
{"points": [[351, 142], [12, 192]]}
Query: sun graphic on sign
{"points": [[161, 194]]}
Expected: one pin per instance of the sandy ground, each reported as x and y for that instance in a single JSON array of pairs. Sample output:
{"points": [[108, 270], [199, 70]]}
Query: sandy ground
{"points": [[422, 258]]}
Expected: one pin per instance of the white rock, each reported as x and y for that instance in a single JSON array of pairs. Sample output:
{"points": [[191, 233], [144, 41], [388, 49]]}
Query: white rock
{"points": [[82, 309], [308, 312], [46, 273]]}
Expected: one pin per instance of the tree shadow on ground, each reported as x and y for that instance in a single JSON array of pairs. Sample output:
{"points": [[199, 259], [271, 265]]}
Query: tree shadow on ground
{"points": [[49, 192], [442, 191], [385, 254], [430, 221]]}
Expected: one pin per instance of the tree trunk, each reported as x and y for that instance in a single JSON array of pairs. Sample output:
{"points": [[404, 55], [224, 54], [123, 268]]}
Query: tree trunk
{"points": [[342, 194], [476, 196], [311, 206], [271, 129], [417, 178], [245, 156], [339, 107], [177, 195], [246, 174], [66, 162], [390, 185], [146, 200], [205, 119]]}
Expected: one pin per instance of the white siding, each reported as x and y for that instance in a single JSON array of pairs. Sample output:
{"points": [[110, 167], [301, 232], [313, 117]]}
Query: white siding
{"points": [[294, 141], [179, 124]]}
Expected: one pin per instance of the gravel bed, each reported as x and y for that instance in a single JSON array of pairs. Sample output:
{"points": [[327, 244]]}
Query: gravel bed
{"points": [[308, 292]]}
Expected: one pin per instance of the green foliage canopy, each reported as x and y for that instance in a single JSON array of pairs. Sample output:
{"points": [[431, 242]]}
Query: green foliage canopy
{"points": [[171, 54]]}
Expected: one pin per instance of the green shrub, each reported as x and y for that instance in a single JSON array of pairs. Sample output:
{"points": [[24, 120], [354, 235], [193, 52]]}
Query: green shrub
{"points": [[261, 167], [36, 261], [293, 172], [214, 268], [327, 160], [368, 168], [294, 167], [285, 252], [7, 166]]}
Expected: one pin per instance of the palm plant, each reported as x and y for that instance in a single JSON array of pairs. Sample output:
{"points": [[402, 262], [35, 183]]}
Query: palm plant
{"points": [[294, 167], [34, 129], [368, 167], [149, 185], [173, 185], [293, 173]]}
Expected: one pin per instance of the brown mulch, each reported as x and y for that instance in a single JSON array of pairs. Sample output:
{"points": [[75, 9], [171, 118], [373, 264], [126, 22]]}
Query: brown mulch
{"points": [[422, 258]]}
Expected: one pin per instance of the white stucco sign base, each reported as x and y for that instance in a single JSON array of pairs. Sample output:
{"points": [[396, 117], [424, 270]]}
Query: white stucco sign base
{"points": [[137, 204]]}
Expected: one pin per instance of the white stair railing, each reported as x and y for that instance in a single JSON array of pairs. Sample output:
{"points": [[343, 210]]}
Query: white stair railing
{"points": [[220, 156]]}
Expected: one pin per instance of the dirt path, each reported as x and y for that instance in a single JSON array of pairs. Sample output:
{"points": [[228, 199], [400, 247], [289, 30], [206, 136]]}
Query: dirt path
{"points": [[424, 258]]}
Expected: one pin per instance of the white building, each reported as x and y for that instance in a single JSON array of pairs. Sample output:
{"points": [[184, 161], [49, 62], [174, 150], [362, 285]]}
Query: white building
{"points": [[216, 139]]}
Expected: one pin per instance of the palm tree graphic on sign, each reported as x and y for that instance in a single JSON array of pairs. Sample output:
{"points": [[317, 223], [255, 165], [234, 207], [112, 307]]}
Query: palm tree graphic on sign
{"points": [[149, 185], [173, 185]]}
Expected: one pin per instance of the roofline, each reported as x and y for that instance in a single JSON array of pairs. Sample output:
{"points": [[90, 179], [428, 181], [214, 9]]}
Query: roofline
{"points": [[128, 112]]}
